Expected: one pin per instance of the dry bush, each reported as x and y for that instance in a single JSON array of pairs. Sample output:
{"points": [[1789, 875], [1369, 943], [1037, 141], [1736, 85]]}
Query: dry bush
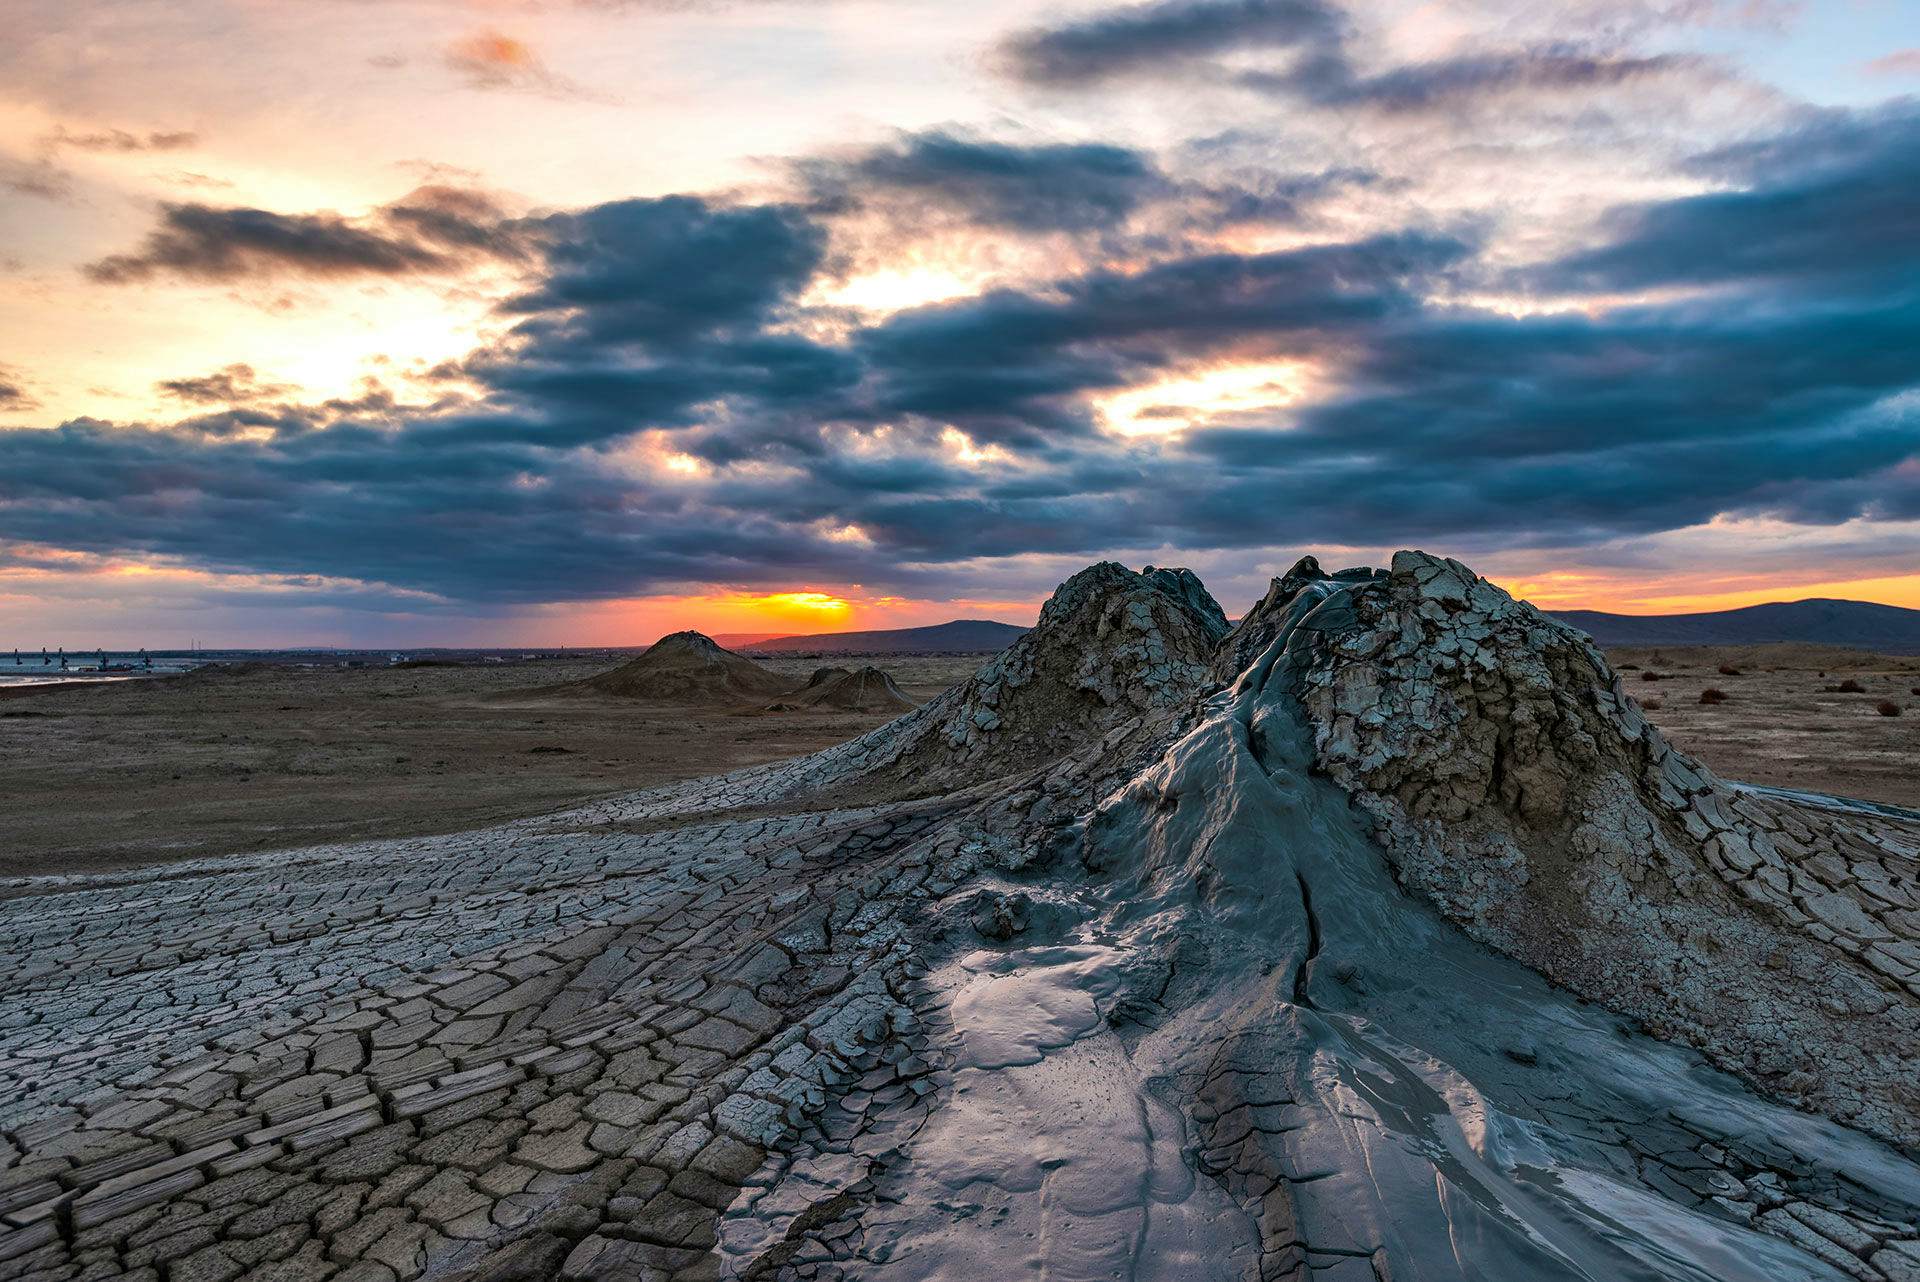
{"points": [[1849, 686], [1711, 695], [1887, 708], [1728, 670], [1651, 705], [1650, 675]]}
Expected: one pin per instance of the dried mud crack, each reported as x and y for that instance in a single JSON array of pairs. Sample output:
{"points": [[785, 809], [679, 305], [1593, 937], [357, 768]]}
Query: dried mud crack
{"points": [[1377, 937]]}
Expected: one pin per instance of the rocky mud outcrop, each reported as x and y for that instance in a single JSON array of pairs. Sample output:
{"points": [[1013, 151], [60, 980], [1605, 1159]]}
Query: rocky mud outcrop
{"points": [[1113, 652], [1513, 782], [1374, 938]]}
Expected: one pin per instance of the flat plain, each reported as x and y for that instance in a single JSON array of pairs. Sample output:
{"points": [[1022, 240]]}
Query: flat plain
{"points": [[224, 762], [218, 762], [1788, 719]]}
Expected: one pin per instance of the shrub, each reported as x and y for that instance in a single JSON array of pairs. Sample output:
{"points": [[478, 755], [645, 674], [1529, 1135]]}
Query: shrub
{"points": [[1728, 670], [1887, 708], [1915, 690], [1711, 695], [1651, 705], [1849, 686], [1650, 675]]}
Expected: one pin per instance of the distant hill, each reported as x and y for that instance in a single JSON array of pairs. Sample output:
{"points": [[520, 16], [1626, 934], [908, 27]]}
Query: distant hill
{"points": [[741, 640], [962, 636], [688, 667], [1888, 629]]}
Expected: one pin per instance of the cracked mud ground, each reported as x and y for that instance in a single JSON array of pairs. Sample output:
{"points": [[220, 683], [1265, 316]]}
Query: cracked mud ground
{"points": [[1334, 947]]}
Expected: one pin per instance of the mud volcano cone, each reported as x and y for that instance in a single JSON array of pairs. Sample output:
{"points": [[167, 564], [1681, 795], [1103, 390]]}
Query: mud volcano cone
{"points": [[689, 667], [865, 689]]}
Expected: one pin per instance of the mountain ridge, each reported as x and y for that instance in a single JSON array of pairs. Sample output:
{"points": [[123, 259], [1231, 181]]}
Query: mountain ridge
{"points": [[964, 636], [1869, 625]]}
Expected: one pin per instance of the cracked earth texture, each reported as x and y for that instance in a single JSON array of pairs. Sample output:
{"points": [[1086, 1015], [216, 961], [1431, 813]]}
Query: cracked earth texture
{"points": [[1379, 938]]}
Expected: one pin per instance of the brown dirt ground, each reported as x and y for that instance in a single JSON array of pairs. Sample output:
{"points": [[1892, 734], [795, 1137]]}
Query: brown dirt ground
{"points": [[114, 775], [121, 774], [1778, 725]]}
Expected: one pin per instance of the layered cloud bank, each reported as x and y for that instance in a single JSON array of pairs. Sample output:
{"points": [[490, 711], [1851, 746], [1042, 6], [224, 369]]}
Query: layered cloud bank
{"points": [[956, 355]]}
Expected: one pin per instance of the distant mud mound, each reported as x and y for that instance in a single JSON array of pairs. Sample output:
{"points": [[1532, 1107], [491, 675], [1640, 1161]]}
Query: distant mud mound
{"points": [[866, 689], [689, 667], [210, 672]]}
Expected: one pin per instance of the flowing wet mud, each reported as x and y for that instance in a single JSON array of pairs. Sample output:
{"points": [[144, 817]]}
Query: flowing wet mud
{"points": [[1378, 938]]}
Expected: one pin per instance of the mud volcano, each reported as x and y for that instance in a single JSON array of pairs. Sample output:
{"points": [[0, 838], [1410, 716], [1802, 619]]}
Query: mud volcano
{"points": [[689, 667], [1376, 938], [865, 689]]}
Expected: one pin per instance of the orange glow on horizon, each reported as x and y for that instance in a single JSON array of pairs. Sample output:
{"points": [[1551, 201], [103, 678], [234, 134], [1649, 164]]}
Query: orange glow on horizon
{"points": [[153, 589], [809, 605], [1635, 595]]}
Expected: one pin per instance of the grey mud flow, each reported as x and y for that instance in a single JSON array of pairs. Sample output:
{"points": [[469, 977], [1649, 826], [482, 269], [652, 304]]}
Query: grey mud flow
{"points": [[1377, 938]]}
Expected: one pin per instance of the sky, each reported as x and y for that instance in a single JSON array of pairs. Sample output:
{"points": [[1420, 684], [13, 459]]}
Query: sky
{"points": [[523, 322]]}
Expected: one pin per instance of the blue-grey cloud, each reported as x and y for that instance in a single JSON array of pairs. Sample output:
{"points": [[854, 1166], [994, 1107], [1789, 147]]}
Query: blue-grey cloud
{"points": [[1788, 387], [1833, 205], [435, 229], [928, 180], [235, 384], [648, 314], [1163, 35], [1029, 187], [1439, 83], [1010, 366], [1172, 38], [672, 270]]}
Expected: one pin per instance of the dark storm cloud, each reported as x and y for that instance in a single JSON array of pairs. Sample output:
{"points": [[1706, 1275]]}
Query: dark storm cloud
{"points": [[1442, 82], [1189, 37], [1010, 366], [1788, 388], [647, 310], [1579, 429], [461, 515], [1031, 187], [1834, 205], [1153, 38], [672, 270], [1111, 199], [435, 229]]}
